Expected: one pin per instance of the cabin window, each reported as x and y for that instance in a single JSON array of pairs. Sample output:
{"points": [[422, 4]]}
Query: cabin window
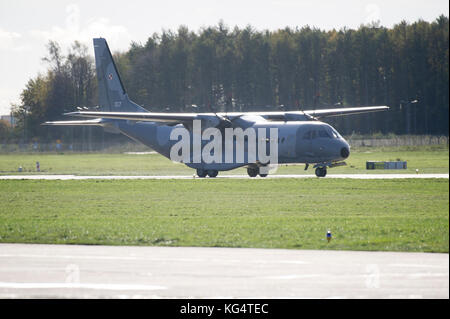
{"points": [[310, 135]]}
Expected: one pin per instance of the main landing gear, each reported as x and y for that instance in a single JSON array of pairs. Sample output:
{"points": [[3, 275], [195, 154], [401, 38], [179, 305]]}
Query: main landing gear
{"points": [[210, 172], [321, 171], [254, 171]]}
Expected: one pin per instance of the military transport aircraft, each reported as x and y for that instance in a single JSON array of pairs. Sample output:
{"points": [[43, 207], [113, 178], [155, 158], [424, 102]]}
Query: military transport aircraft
{"points": [[300, 138]]}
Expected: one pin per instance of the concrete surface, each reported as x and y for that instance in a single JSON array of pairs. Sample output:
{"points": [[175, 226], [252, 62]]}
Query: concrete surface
{"points": [[70, 271]]}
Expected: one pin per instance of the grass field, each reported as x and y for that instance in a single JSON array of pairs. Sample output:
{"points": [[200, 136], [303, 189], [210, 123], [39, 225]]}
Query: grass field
{"points": [[428, 159], [386, 215]]}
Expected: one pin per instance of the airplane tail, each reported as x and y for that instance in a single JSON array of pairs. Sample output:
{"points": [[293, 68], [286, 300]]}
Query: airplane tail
{"points": [[112, 96]]}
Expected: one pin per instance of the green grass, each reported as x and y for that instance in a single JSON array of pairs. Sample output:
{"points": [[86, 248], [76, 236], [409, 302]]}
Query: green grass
{"points": [[428, 159], [386, 215]]}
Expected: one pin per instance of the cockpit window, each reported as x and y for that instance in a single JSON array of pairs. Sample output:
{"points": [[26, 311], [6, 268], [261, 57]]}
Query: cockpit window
{"points": [[323, 133], [332, 133], [335, 134]]}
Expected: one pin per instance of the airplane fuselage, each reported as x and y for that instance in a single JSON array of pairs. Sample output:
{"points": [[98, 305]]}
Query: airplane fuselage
{"points": [[298, 142]]}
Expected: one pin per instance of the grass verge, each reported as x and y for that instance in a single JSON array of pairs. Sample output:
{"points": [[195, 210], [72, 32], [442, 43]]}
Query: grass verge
{"points": [[386, 215]]}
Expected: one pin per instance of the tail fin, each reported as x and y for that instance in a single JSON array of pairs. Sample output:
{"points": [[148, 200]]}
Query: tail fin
{"points": [[112, 96]]}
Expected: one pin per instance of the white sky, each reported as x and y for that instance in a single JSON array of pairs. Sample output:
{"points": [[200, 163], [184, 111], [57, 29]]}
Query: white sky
{"points": [[27, 26]]}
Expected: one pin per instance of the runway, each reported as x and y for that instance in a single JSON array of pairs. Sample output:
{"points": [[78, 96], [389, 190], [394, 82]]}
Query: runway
{"points": [[341, 176], [69, 271]]}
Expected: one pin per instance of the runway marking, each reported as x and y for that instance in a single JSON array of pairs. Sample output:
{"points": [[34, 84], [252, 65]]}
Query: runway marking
{"points": [[109, 177], [104, 257], [416, 266], [289, 277], [199, 260], [216, 260], [296, 262], [428, 275], [140, 153], [363, 275], [71, 257], [44, 285], [205, 271]]}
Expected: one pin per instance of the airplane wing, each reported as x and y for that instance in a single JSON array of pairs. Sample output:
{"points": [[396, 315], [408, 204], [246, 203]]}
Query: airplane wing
{"points": [[95, 122], [310, 115], [214, 118], [170, 118], [345, 111], [210, 119]]}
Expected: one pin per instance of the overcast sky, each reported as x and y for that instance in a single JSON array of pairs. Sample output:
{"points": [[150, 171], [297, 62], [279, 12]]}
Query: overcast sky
{"points": [[27, 26]]}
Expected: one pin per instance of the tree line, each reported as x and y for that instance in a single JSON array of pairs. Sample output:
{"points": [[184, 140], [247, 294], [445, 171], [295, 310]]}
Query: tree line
{"points": [[242, 69]]}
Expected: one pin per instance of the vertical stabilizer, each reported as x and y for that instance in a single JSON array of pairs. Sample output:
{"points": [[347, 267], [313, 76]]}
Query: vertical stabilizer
{"points": [[112, 96]]}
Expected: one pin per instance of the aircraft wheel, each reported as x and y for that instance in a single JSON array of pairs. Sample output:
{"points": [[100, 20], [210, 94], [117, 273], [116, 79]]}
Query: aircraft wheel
{"points": [[201, 172], [263, 175], [212, 173], [321, 171], [252, 172]]}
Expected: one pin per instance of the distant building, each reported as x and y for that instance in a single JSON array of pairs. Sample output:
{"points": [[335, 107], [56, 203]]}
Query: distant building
{"points": [[9, 119]]}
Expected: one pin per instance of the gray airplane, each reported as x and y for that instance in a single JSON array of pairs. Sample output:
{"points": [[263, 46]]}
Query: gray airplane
{"points": [[302, 138]]}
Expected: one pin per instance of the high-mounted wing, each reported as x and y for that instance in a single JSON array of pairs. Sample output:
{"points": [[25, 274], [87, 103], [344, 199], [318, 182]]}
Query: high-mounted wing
{"points": [[208, 119], [95, 122], [345, 111], [216, 119], [315, 114], [141, 116], [112, 96]]}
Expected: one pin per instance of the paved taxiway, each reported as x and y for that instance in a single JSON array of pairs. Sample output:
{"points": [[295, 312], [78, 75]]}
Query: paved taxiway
{"points": [[69, 271], [351, 176]]}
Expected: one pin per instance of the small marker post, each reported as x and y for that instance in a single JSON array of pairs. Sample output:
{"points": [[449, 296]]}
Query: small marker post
{"points": [[329, 236]]}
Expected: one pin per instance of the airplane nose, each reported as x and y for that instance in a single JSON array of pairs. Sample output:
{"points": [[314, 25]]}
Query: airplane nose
{"points": [[345, 152]]}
